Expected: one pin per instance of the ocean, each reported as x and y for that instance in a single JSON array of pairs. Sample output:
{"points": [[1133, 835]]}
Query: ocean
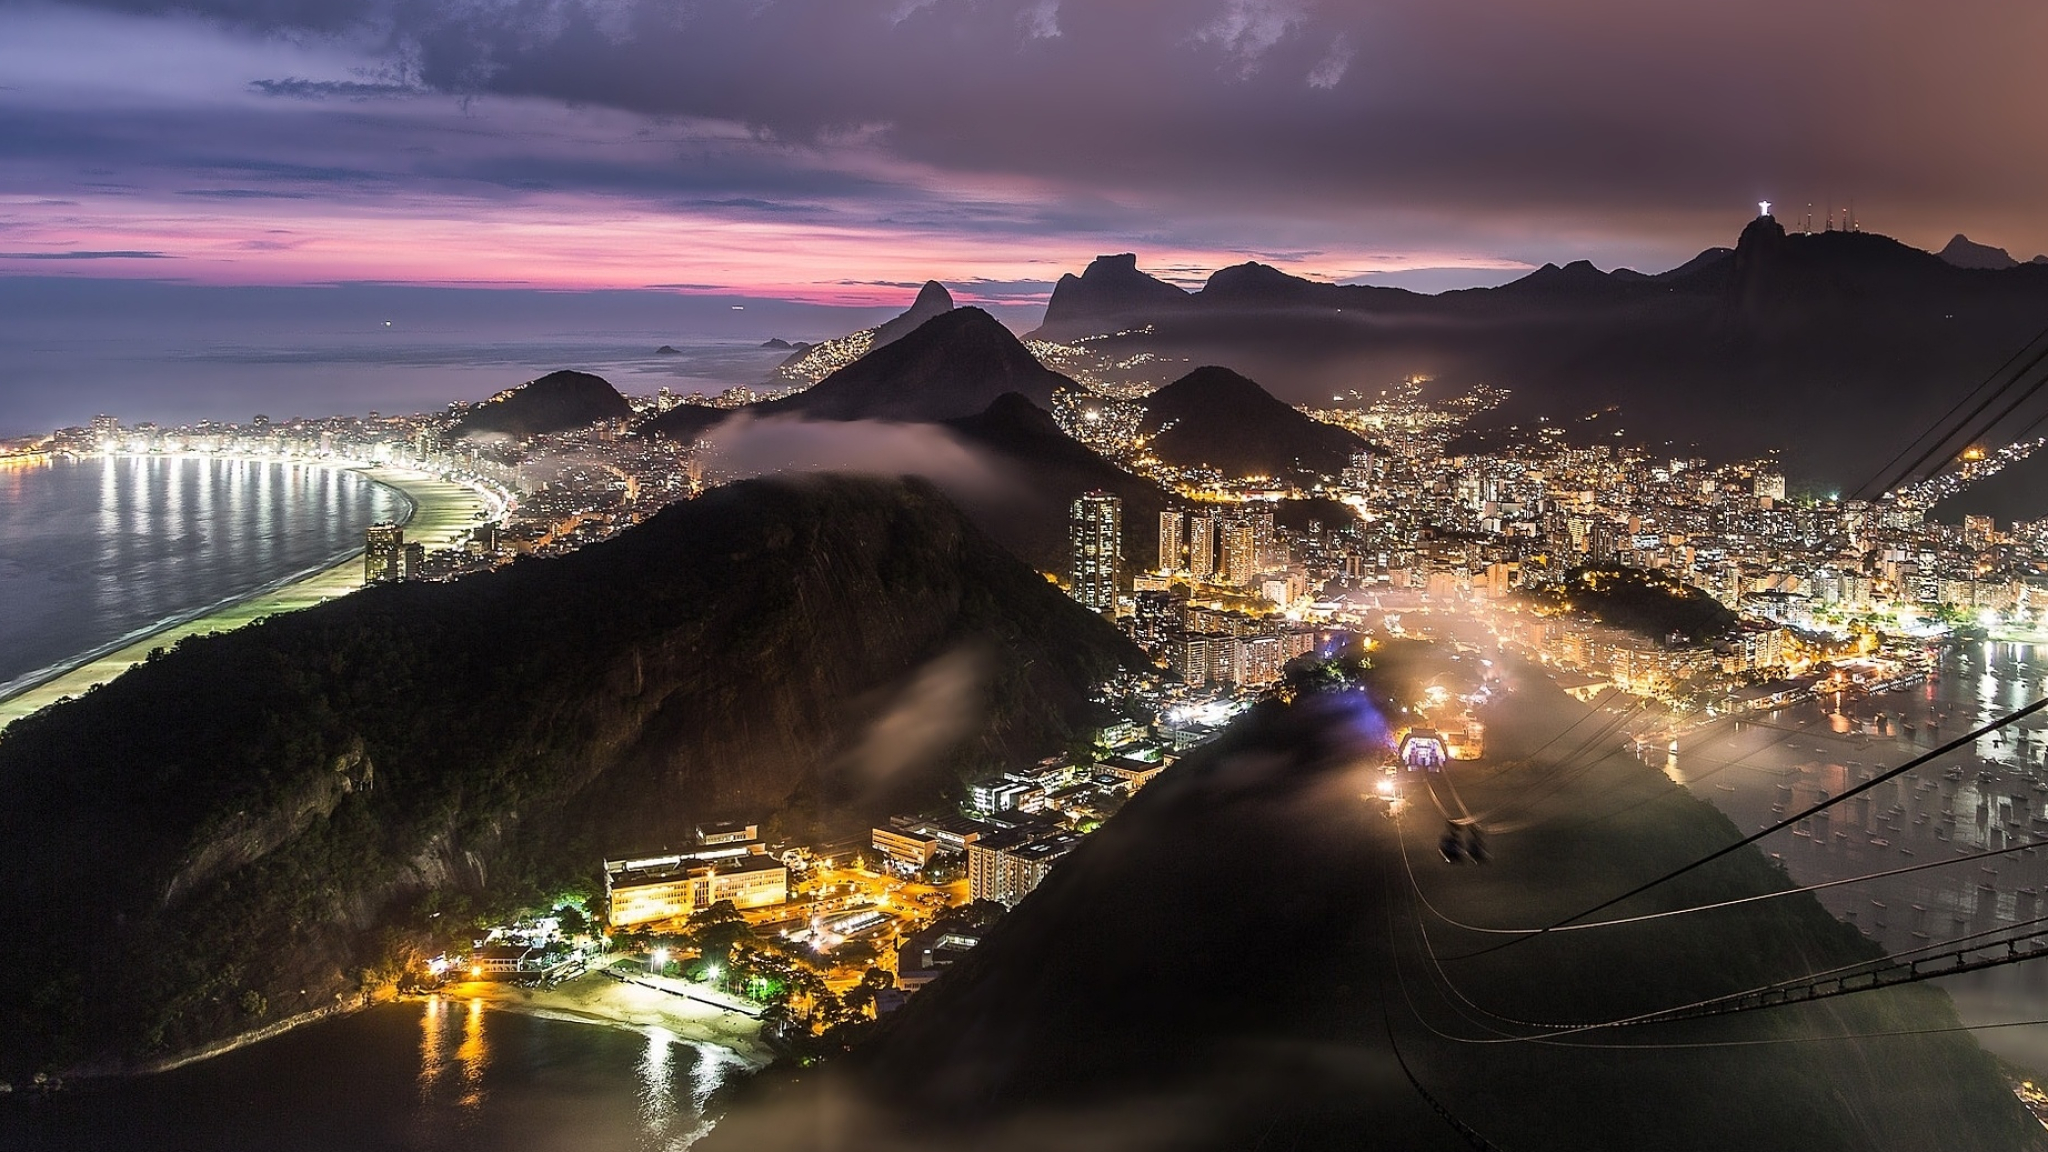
{"points": [[447, 1075], [96, 552], [1991, 795], [174, 354]]}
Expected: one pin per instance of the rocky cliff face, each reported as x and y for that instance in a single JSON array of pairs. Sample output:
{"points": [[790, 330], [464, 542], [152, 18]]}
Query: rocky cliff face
{"points": [[254, 811], [1106, 292]]}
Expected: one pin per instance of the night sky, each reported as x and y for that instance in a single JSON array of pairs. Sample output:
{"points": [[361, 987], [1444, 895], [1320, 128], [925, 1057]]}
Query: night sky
{"points": [[833, 150]]}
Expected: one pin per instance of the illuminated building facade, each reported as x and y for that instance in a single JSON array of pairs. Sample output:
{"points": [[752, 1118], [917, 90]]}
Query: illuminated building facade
{"points": [[1240, 552], [904, 846], [1266, 550], [1171, 541], [383, 553], [1201, 547], [1097, 524], [656, 889], [1006, 867]]}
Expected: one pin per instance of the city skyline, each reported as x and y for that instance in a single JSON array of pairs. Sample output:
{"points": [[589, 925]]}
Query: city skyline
{"points": [[789, 575]]}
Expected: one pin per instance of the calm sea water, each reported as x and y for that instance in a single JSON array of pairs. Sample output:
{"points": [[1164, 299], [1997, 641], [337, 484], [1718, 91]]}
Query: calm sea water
{"points": [[445, 1076], [1787, 761], [97, 550], [77, 346]]}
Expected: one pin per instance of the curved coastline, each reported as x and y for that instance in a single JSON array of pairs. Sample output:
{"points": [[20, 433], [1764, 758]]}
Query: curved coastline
{"points": [[438, 510], [591, 1000]]}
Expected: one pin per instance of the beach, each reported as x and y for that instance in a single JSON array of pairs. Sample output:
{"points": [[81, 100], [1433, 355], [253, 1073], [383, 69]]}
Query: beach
{"points": [[598, 999], [442, 511]]}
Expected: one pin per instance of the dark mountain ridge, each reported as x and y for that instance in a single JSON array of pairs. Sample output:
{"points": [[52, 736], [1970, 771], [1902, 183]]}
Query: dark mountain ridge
{"points": [[1111, 286], [1855, 339], [1236, 960], [932, 300], [225, 836], [557, 402], [1047, 470], [953, 365], [1213, 416], [1963, 252]]}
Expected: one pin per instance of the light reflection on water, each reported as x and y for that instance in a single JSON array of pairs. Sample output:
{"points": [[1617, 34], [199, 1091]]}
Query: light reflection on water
{"points": [[432, 1062], [657, 1091], [1785, 761], [475, 1055], [94, 550], [445, 1075]]}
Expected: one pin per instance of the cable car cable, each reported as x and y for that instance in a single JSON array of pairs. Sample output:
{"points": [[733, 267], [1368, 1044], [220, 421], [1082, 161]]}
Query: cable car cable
{"points": [[1959, 742]]}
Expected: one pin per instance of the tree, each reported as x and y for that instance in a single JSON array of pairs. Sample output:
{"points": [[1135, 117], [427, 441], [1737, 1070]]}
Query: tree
{"points": [[572, 918], [723, 912], [859, 1000]]}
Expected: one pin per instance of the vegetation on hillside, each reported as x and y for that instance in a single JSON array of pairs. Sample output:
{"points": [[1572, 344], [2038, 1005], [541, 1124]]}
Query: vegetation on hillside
{"points": [[1644, 601], [256, 811]]}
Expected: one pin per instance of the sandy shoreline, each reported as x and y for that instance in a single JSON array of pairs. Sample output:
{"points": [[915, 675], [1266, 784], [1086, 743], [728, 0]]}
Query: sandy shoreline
{"points": [[598, 999], [594, 999], [441, 512]]}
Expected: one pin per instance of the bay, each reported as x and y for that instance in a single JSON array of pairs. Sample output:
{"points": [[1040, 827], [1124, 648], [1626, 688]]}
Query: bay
{"points": [[446, 1075], [97, 550]]}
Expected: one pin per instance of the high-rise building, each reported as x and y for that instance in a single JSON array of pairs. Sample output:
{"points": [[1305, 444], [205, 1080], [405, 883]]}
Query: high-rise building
{"points": [[1201, 547], [1171, 542], [1240, 551], [1097, 522], [1265, 543], [1007, 866], [383, 552], [1157, 616]]}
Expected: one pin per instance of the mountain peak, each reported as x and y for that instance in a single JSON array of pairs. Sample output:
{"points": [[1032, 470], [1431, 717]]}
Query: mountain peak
{"points": [[1760, 232], [932, 300], [1014, 409], [1250, 278], [1213, 383], [1214, 417], [556, 402], [951, 365], [1966, 253], [1109, 288]]}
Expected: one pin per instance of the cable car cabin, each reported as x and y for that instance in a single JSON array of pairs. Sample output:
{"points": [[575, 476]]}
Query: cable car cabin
{"points": [[1452, 846], [1424, 750], [1461, 843]]}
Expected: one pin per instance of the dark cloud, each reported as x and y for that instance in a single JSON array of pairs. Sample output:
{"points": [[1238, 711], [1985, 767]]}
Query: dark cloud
{"points": [[1571, 106], [1293, 130], [241, 194], [84, 255], [330, 89]]}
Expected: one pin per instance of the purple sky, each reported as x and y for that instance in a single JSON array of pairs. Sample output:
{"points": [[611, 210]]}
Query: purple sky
{"points": [[831, 150]]}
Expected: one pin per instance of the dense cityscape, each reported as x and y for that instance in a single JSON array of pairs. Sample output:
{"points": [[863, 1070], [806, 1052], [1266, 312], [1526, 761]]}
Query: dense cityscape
{"points": [[1421, 535], [899, 576]]}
